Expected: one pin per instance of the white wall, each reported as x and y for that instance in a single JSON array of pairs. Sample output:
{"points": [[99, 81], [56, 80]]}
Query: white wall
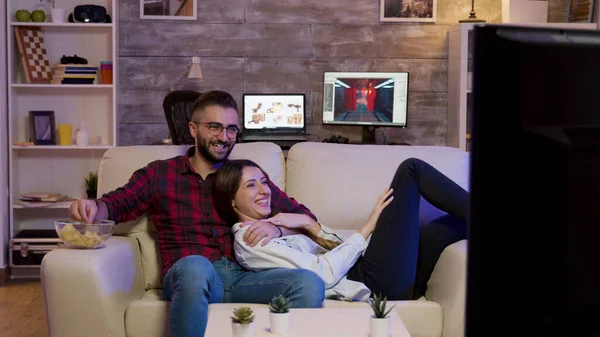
{"points": [[3, 142]]}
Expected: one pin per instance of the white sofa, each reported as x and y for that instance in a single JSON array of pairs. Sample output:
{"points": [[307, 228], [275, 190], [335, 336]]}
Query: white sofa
{"points": [[115, 290]]}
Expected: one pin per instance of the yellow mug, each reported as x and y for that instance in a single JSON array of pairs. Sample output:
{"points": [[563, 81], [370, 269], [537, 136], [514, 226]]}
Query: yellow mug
{"points": [[65, 134]]}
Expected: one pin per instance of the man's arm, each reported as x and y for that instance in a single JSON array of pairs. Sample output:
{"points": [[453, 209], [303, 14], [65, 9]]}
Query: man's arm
{"points": [[281, 204], [129, 202]]}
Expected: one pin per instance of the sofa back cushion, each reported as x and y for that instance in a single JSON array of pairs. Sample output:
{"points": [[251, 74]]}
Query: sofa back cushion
{"points": [[119, 163], [340, 182]]}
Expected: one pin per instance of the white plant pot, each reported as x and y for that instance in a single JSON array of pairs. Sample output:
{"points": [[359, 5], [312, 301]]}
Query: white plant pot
{"points": [[58, 15], [380, 327], [280, 323], [242, 330]]}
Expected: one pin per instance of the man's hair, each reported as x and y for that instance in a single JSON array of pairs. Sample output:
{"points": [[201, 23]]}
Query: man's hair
{"points": [[215, 97], [227, 182]]}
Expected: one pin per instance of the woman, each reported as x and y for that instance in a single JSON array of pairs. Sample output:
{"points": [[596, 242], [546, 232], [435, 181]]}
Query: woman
{"points": [[400, 256]]}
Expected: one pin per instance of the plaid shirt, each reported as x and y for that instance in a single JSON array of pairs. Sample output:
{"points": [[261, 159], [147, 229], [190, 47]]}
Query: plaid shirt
{"points": [[179, 203]]}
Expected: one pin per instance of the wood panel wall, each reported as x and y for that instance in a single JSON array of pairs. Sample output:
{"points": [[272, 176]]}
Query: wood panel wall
{"points": [[285, 46]]}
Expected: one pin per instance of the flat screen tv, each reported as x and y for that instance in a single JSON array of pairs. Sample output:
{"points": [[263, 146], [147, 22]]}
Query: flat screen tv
{"points": [[533, 266], [365, 98]]}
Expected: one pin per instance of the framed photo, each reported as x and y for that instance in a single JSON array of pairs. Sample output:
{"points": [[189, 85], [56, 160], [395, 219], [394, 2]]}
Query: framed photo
{"points": [[580, 11], [42, 128], [168, 9], [407, 11]]}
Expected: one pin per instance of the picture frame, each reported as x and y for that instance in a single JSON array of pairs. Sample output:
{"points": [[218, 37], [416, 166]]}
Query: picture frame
{"points": [[42, 127], [580, 10], [169, 9], [400, 11]]}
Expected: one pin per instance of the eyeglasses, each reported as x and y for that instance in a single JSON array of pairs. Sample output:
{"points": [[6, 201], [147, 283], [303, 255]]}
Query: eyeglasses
{"points": [[216, 129]]}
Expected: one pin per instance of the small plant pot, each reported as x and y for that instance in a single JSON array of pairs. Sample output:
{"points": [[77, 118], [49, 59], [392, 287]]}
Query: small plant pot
{"points": [[242, 330], [58, 15], [380, 327], [280, 322], [91, 194]]}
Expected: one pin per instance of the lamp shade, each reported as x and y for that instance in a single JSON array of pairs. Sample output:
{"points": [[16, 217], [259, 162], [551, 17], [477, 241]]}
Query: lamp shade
{"points": [[195, 69]]}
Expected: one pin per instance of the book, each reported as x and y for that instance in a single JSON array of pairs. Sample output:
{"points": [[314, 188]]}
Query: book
{"points": [[40, 195], [41, 204], [44, 199]]}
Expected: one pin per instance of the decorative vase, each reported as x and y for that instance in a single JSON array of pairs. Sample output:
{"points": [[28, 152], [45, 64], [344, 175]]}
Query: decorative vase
{"points": [[380, 327], [280, 322], [242, 330], [82, 138], [58, 15]]}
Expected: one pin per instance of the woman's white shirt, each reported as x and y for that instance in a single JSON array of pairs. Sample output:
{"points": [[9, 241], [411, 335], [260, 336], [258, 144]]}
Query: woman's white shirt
{"points": [[299, 251]]}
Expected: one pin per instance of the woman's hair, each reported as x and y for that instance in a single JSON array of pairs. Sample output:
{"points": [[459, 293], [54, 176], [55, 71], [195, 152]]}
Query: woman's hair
{"points": [[227, 182]]}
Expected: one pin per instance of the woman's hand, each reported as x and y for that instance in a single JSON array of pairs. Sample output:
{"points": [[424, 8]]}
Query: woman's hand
{"points": [[383, 200], [295, 221]]}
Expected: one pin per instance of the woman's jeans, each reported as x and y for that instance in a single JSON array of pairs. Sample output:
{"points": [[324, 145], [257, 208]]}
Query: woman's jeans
{"points": [[401, 255], [193, 282]]}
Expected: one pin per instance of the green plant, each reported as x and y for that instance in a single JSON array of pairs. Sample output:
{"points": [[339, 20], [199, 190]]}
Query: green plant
{"points": [[378, 303], [243, 315], [51, 2], [91, 182], [279, 304]]}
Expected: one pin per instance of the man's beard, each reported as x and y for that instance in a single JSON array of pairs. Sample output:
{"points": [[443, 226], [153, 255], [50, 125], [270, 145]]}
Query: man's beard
{"points": [[204, 150]]}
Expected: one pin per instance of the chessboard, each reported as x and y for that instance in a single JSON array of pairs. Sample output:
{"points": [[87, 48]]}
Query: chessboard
{"points": [[30, 42]]}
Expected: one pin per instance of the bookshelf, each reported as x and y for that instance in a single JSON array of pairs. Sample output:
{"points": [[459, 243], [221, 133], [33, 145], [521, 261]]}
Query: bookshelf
{"points": [[460, 68], [55, 168]]}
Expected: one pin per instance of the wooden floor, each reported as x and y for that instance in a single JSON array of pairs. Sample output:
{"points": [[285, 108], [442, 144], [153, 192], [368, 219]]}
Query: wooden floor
{"points": [[22, 309]]}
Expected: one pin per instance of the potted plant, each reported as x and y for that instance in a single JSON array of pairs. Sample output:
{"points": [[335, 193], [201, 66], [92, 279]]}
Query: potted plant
{"points": [[241, 322], [91, 185], [380, 321], [279, 314]]}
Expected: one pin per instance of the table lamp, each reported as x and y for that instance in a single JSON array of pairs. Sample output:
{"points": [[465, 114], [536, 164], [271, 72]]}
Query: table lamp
{"points": [[472, 15], [194, 71]]}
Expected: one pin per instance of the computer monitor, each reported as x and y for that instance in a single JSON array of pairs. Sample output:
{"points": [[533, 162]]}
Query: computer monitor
{"points": [[276, 113], [365, 98], [534, 227]]}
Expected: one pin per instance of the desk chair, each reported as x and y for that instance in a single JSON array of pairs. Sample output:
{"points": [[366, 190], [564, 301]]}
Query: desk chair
{"points": [[178, 112]]}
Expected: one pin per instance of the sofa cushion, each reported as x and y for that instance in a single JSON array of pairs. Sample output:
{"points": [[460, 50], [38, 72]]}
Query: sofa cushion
{"points": [[119, 163], [149, 316], [340, 182]]}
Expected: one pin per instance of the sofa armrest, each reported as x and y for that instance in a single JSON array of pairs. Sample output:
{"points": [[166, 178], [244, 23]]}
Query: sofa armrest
{"points": [[86, 292], [447, 286]]}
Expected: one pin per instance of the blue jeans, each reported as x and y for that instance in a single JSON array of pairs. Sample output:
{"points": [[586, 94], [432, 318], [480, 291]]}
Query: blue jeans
{"points": [[193, 282]]}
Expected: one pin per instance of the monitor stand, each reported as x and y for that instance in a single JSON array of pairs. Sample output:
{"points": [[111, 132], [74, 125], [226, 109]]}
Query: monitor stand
{"points": [[368, 134]]}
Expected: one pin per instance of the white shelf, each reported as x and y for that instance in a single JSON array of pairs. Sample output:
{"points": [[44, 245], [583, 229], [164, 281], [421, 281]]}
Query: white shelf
{"points": [[56, 168], [66, 24], [61, 147], [63, 86]]}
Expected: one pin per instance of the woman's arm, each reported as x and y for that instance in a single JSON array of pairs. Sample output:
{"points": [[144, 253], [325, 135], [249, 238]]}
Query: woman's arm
{"points": [[331, 266]]}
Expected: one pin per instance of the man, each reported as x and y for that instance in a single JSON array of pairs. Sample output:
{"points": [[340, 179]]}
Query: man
{"points": [[196, 246]]}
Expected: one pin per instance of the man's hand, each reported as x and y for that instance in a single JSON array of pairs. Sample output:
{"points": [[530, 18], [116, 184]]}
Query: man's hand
{"points": [[258, 230], [83, 210]]}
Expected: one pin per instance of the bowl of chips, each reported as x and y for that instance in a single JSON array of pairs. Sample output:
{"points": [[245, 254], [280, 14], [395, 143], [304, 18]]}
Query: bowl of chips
{"points": [[78, 234]]}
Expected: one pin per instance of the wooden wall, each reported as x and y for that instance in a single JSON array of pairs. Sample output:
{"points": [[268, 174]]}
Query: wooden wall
{"points": [[285, 46]]}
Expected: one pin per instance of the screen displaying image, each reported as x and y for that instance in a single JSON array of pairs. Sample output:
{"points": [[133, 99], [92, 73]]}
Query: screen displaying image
{"points": [[268, 111], [365, 98]]}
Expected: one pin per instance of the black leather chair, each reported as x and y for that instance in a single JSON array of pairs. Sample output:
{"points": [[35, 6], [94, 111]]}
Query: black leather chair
{"points": [[178, 112]]}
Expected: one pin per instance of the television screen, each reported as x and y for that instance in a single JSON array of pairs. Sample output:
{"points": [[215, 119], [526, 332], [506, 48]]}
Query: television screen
{"points": [[274, 111], [533, 244], [365, 98]]}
